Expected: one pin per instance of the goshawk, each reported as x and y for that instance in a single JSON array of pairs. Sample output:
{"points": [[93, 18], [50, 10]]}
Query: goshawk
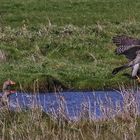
{"points": [[130, 47]]}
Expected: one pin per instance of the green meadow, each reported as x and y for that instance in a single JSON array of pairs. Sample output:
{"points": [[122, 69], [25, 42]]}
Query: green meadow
{"points": [[55, 44], [50, 45]]}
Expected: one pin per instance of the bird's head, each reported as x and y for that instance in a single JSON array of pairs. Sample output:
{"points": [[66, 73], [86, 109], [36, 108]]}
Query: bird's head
{"points": [[8, 86]]}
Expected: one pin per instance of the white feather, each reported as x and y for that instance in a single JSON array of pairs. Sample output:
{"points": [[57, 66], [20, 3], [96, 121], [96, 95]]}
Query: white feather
{"points": [[135, 70]]}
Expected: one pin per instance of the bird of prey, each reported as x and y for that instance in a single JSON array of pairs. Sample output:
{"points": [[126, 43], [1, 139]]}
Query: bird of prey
{"points": [[130, 47]]}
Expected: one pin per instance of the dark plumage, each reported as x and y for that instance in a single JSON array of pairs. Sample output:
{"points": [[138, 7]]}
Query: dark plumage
{"points": [[130, 47], [127, 46]]}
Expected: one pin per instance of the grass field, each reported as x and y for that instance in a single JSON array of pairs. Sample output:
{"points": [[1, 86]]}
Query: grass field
{"points": [[65, 43], [38, 125], [54, 44]]}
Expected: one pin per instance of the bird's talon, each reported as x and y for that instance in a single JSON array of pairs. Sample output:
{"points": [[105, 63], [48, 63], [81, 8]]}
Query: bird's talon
{"points": [[138, 79]]}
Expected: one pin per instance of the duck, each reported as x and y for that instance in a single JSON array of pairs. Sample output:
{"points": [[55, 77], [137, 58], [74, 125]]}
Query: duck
{"points": [[6, 92]]}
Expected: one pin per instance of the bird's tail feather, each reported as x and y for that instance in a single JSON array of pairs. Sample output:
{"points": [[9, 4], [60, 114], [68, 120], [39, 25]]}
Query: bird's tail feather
{"points": [[116, 70]]}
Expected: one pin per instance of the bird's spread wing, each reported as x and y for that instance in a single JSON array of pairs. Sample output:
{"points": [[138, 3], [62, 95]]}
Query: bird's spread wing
{"points": [[126, 45]]}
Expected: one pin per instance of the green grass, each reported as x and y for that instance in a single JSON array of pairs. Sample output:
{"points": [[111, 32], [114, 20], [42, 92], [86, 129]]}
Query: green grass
{"points": [[62, 12], [65, 42]]}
